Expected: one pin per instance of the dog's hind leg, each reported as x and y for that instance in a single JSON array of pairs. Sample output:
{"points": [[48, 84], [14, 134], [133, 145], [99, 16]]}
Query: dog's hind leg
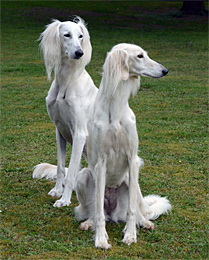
{"points": [[142, 208], [134, 195], [61, 154], [85, 191], [87, 224]]}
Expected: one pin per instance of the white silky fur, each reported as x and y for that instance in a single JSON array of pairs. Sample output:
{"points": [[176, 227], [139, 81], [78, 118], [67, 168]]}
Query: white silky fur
{"points": [[108, 189], [67, 50]]}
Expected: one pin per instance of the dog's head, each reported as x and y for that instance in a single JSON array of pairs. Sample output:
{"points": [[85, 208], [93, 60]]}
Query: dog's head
{"points": [[128, 61], [75, 40], [65, 39], [139, 63], [71, 36]]}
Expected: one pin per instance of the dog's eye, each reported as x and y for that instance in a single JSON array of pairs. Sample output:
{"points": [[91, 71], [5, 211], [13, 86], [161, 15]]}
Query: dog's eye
{"points": [[67, 35], [140, 56], [81, 36]]}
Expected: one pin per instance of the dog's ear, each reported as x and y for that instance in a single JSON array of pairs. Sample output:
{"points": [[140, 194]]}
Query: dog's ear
{"points": [[124, 65], [85, 44], [50, 46], [115, 69]]}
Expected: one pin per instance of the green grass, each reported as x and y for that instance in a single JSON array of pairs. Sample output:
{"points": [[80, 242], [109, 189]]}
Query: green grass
{"points": [[171, 120]]}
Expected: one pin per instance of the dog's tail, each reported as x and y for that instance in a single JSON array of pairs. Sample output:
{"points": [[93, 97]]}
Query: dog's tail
{"points": [[46, 170], [157, 206]]}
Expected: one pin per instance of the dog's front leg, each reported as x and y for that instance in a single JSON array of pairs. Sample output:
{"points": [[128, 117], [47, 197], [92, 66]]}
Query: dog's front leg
{"points": [[61, 154], [77, 149], [130, 228], [101, 236]]}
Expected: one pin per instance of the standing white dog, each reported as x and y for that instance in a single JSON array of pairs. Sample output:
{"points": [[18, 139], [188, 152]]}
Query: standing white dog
{"points": [[109, 189], [67, 50]]}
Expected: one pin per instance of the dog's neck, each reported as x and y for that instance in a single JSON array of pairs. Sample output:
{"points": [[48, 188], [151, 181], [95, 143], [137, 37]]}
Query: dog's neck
{"points": [[68, 71], [118, 102]]}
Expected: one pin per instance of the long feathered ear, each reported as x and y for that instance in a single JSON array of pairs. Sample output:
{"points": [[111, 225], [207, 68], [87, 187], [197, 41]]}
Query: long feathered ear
{"points": [[115, 69], [50, 46], [85, 44]]}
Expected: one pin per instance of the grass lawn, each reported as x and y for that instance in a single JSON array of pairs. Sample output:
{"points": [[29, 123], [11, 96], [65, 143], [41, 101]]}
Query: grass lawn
{"points": [[171, 120]]}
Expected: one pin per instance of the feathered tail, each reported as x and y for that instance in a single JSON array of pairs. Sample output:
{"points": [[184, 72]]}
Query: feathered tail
{"points": [[157, 206], [46, 170]]}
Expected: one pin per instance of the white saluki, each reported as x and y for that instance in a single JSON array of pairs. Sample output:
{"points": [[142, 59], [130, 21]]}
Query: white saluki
{"points": [[67, 50], [109, 188]]}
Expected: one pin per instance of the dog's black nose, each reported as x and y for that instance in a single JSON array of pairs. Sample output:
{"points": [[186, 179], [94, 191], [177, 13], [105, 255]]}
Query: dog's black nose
{"points": [[78, 54], [165, 71]]}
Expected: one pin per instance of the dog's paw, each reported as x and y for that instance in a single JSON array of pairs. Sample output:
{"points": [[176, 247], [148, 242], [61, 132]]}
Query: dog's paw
{"points": [[56, 192], [101, 238], [102, 244], [86, 224], [148, 225], [61, 203], [129, 239]]}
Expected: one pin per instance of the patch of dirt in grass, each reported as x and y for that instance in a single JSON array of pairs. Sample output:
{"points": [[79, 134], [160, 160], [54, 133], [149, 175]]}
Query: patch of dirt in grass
{"points": [[138, 18], [40, 13]]}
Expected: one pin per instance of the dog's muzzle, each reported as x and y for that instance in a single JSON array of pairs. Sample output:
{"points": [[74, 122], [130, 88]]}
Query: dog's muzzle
{"points": [[78, 54]]}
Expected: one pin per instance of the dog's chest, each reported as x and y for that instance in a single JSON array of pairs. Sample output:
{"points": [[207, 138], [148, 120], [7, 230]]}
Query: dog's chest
{"points": [[119, 143], [61, 113], [70, 109], [116, 141], [115, 147]]}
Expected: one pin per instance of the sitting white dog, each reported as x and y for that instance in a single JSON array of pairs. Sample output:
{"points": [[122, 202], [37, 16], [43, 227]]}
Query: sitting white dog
{"points": [[109, 189], [67, 50]]}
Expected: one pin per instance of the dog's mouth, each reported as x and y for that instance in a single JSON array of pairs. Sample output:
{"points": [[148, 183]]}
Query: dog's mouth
{"points": [[76, 58], [154, 77], [151, 76]]}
